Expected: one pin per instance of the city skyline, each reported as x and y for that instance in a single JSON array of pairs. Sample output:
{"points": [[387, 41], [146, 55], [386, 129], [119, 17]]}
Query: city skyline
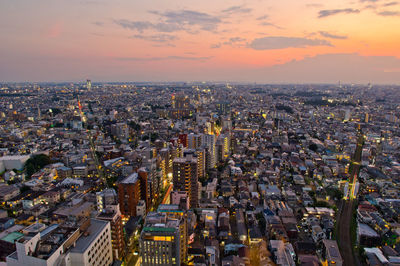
{"points": [[242, 41]]}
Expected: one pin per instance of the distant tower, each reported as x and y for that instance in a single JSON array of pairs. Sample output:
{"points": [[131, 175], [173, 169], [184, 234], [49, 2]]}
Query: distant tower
{"points": [[88, 84], [39, 113]]}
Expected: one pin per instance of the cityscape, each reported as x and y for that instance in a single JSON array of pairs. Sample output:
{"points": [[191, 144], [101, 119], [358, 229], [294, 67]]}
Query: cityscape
{"points": [[199, 174], [204, 133]]}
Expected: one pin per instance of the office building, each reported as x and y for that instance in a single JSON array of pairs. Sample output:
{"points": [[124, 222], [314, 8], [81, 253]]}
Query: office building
{"points": [[163, 240]]}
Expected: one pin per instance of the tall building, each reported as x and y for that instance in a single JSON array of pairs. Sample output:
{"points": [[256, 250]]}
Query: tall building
{"points": [[347, 115], [88, 84], [185, 178], [110, 212], [144, 187], [149, 170], [209, 143], [223, 107], [180, 101], [200, 156], [183, 139], [180, 106], [132, 189], [129, 194], [201, 162], [225, 141], [93, 247], [163, 240], [194, 141]]}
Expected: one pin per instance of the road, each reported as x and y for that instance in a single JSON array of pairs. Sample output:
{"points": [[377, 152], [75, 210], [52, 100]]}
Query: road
{"points": [[345, 216], [344, 236]]}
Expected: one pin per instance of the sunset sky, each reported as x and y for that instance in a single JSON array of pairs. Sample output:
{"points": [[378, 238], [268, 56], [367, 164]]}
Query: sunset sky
{"points": [[211, 40]]}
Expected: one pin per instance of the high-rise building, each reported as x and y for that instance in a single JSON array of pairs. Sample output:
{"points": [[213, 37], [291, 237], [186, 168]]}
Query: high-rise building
{"points": [[93, 247], [185, 178], [180, 101], [201, 162], [223, 107], [88, 84], [194, 141], [180, 106], [144, 187], [107, 204], [149, 169], [132, 189], [129, 194], [200, 156], [209, 144], [183, 139], [163, 240], [225, 140], [347, 115]]}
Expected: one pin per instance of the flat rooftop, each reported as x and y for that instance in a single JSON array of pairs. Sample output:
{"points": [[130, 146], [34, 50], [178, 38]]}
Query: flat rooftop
{"points": [[83, 243]]}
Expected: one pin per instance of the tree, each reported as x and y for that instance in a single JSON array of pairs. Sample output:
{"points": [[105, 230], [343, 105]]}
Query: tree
{"points": [[322, 204], [135, 126], [313, 147], [35, 163], [335, 193]]}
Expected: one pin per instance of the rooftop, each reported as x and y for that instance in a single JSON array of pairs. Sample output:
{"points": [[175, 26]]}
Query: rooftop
{"points": [[130, 179], [96, 226]]}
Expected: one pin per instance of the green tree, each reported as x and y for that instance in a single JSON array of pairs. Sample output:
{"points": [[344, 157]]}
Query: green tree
{"points": [[35, 163], [313, 147]]}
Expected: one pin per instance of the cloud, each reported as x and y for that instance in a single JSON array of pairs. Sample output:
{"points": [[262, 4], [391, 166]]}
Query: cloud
{"points": [[262, 17], [171, 57], [269, 24], [183, 18], [161, 38], [316, 5], [390, 4], [332, 36], [281, 42], [237, 10], [331, 12], [172, 21], [98, 23], [141, 26], [215, 46], [388, 13], [235, 42]]}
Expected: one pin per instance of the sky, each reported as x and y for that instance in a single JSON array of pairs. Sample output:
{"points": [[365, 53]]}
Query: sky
{"points": [[263, 41]]}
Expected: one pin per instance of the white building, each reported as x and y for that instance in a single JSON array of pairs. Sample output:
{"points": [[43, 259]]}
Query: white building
{"points": [[87, 244], [94, 247], [141, 208], [13, 162]]}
